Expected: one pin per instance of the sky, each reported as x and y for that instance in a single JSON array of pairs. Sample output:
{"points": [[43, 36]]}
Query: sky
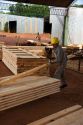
{"points": [[78, 1], [5, 1]]}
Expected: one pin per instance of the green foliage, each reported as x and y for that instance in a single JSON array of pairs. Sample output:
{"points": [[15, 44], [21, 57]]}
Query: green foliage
{"points": [[76, 5], [6, 27], [29, 10]]}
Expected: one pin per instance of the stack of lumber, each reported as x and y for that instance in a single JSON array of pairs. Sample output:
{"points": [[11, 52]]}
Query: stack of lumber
{"points": [[7, 80], [1, 44], [25, 89], [69, 116], [38, 50], [19, 60], [0, 52], [28, 47], [6, 77], [72, 64]]}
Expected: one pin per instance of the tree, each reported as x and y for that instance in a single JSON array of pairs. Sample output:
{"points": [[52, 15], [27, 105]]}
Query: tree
{"points": [[30, 10], [76, 5]]}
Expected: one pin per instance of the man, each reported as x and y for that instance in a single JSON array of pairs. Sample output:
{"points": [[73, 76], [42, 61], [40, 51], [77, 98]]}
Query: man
{"points": [[38, 37], [61, 61]]}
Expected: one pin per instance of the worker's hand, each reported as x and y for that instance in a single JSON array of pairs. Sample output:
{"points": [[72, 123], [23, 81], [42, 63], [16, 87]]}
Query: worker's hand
{"points": [[52, 61]]}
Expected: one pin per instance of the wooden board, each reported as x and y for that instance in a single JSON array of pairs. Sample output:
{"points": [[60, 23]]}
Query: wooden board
{"points": [[8, 80], [0, 52], [70, 119], [27, 89], [51, 119]]}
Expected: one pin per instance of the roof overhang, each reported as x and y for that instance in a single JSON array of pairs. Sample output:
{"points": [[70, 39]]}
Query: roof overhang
{"points": [[57, 3]]}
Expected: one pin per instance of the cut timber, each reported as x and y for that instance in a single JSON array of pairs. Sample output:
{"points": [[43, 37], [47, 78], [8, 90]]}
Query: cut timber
{"points": [[55, 117], [70, 119], [70, 56], [38, 50], [27, 89], [19, 60], [4, 78], [21, 75], [0, 52]]}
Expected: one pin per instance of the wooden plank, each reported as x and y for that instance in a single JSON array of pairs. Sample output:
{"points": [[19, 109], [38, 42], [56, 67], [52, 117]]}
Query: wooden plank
{"points": [[6, 77], [0, 52], [78, 122], [28, 84], [27, 89], [68, 119], [55, 116], [21, 75], [22, 101], [25, 99]]}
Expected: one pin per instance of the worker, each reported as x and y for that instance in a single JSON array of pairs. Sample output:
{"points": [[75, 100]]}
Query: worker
{"points": [[61, 61], [38, 37]]}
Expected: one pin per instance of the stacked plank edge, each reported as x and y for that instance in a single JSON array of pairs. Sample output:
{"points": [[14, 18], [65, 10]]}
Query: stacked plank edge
{"points": [[18, 60], [0, 52], [27, 89], [69, 116]]}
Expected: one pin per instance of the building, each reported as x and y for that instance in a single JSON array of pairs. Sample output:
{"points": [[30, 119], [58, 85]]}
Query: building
{"points": [[21, 24], [74, 23], [57, 16]]}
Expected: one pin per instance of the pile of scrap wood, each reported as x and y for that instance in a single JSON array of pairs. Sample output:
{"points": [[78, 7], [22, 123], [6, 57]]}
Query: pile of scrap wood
{"points": [[68, 116], [19, 60], [23, 88]]}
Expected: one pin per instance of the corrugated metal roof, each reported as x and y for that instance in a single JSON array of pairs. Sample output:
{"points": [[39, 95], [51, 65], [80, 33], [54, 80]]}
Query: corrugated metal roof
{"points": [[58, 3]]}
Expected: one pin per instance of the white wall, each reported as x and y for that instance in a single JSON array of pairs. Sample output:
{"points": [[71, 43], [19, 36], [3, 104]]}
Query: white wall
{"points": [[24, 24], [57, 26], [57, 20], [75, 26]]}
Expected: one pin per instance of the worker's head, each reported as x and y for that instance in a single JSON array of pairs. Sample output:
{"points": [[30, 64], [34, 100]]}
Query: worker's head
{"points": [[54, 41]]}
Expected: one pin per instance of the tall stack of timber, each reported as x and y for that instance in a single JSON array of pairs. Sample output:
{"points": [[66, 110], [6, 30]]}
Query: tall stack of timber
{"points": [[0, 52], [18, 60], [38, 50], [68, 116], [21, 89], [1, 44]]}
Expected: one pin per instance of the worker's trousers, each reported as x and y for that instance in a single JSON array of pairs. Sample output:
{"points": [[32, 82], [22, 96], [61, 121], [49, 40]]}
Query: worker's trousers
{"points": [[59, 74]]}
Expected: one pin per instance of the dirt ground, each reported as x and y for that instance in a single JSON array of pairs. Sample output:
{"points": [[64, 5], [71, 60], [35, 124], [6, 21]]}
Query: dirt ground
{"points": [[29, 112], [26, 113], [14, 38]]}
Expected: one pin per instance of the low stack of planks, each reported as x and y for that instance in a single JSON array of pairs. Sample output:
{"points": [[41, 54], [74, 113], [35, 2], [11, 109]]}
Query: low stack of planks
{"points": [[19, 60], [68, 116], [19, 90]]}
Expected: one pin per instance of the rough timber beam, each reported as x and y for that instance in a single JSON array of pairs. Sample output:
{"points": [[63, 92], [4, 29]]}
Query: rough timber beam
{"points": [[57, 3]]}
